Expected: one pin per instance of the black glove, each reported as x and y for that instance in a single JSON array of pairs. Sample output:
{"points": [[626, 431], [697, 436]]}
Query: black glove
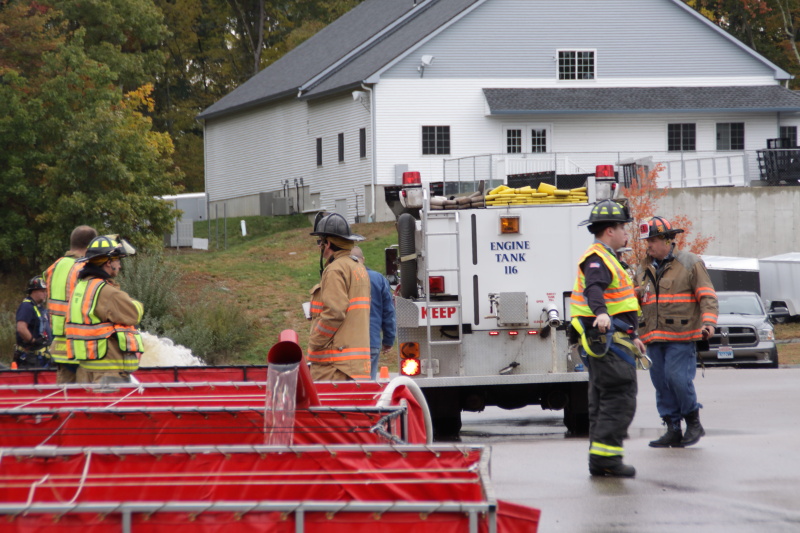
{"points": [[38, 342]]}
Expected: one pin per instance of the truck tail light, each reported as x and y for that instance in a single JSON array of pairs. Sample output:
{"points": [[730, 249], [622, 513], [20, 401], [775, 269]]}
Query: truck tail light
{"points": [[494, 333], [509, 224], [410, 364], [513, 333], [532, 332], [436, 284]]}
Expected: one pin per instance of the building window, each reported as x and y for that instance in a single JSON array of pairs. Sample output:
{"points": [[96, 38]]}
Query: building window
{"points": [[513, 141], [526, 138], [681, 137], [576, 65], [362, 142], [538, 140], [790, 134], [730, 136], [341, 147], [319, 151], [435, 140]]}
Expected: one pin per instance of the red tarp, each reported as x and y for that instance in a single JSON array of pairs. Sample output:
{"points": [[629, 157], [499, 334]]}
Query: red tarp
{"points": [[66, 427], [164, 374], [30, 416], [321, 482]]}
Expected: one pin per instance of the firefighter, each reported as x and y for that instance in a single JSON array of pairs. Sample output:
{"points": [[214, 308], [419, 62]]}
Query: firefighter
{"points": [[382, 322], [338, 345], [61, 278], [34, 333], [679, 308], [605, 316], [101, 318]]}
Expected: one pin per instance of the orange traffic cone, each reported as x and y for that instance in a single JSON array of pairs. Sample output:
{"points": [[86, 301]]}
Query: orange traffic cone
{"points": [[13, 365], [384, 374]]}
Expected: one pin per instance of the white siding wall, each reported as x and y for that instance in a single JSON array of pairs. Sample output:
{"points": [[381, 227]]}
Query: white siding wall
{"points": [[253, 152], [633, 38], [404, 106]]}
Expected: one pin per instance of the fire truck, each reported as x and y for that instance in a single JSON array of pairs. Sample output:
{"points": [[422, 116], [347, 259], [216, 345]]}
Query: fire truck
{"points": [[483, 299]]}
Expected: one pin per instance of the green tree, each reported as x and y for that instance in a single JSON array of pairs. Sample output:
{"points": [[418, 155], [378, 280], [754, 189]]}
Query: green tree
{"points": [[77, 149]]}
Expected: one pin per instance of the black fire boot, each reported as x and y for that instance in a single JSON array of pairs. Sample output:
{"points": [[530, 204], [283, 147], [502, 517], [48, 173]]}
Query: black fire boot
{"points": [[672, 438], [610, 467], [693, 428]]}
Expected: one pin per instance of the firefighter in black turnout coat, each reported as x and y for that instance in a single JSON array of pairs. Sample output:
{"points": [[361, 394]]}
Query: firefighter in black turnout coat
{"points": [[604, 310]]}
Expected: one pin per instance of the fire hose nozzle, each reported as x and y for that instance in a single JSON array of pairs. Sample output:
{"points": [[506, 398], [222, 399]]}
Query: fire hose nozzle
{"points": [[553, 319]]}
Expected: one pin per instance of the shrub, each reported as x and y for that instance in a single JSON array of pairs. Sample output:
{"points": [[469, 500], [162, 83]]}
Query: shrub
{"points": [[150, 280], [8, 328], [214, 329]]}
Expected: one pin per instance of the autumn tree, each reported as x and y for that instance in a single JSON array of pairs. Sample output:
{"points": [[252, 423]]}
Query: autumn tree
{"points": [[77, 149], [643, 194], [770, 27]]}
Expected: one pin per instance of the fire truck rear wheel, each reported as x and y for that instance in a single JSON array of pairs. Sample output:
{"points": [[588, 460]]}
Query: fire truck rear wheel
{"points": [[446, 428]]}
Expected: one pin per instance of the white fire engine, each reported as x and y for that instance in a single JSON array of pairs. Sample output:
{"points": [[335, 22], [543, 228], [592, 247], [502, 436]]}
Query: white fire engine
{"points": [[483, 305]]}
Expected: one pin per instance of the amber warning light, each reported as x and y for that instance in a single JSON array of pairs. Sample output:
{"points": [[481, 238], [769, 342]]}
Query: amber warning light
{"points": [[409, 363], [509, 224]]}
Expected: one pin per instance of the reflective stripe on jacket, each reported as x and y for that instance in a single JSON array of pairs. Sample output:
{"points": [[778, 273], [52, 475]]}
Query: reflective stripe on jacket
{"points": [[61, 278], [677, 301], [89, 337], [619, 296], [340, 306]]}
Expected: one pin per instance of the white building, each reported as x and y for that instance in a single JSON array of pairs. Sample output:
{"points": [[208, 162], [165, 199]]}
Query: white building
{"points": [[527, 85]]}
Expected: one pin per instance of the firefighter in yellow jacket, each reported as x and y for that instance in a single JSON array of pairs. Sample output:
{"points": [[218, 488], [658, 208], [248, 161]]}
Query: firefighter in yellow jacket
{"points": [[62, 276], [338, 345], [679, 308], [604, 313], [101, 319]]}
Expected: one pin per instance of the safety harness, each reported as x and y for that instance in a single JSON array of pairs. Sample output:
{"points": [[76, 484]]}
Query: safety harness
{"points": [[598, 344]]}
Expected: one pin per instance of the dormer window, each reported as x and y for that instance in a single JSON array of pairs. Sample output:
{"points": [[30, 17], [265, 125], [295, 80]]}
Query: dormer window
{"points": [[576, 64]]}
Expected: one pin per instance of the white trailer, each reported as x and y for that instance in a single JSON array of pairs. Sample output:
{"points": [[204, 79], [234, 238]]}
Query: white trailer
{"points": [[780, 282], [484, 306]]}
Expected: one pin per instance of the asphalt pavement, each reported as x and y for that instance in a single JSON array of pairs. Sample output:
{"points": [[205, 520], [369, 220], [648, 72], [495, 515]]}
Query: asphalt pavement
{"points": [[743, 476]]}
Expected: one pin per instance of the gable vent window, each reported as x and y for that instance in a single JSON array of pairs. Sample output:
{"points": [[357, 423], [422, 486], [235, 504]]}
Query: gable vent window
{"points": [[576, 65], [435, 140], [681, 137], [730, 136]]}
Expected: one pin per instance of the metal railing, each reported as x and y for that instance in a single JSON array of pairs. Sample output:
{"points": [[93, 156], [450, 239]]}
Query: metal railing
{"points": [[679, 169]]}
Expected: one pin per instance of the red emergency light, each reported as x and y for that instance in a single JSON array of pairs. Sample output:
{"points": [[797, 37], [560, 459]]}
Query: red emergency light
{"points": [[494, 333], [532, 332], [513, 333], [436, 284], [604, 171], [412, 178]]}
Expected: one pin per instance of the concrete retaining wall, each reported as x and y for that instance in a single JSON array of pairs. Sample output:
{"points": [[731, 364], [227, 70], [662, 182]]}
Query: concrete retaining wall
{"points": [[745, 221]]}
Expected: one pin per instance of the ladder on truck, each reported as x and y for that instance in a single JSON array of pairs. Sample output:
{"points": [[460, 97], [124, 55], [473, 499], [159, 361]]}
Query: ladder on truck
{"points": [[427, 217]]}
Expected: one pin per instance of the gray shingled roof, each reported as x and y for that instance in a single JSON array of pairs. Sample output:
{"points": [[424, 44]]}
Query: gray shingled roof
{"points": [[641, 99], [370, 25]]}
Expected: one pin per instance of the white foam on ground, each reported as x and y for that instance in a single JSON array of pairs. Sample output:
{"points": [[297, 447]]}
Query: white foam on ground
{"points": [[161, 351]]}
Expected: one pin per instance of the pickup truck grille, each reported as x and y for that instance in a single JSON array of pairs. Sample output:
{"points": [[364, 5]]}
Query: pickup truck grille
{"points": [[734, 336]]}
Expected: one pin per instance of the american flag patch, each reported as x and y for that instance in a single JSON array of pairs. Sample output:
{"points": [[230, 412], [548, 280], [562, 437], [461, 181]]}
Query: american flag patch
{"points": [[594, 265]]}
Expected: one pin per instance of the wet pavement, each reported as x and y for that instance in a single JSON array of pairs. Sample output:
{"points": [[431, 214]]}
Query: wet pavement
{"points": [[743, 476]]}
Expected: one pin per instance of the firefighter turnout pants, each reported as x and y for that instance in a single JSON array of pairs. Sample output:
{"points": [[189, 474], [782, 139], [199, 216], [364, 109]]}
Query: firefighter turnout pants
{"points": [[612, 403]]}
